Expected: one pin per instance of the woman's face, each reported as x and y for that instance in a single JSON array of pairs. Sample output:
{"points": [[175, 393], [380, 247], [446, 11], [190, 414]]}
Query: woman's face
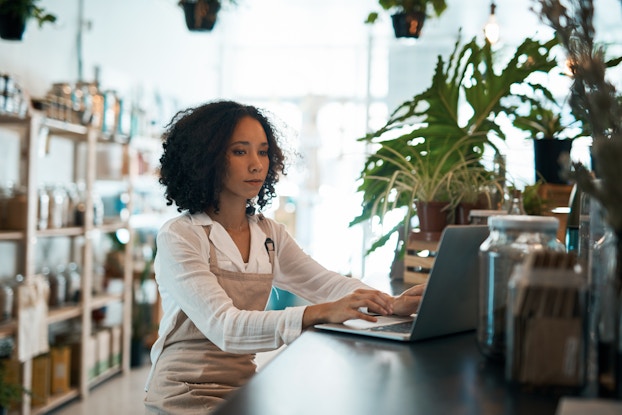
{"points": [[247, 161]]}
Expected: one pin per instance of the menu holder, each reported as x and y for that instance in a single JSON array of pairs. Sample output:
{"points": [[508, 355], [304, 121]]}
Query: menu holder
{"points": [[545, 340]]}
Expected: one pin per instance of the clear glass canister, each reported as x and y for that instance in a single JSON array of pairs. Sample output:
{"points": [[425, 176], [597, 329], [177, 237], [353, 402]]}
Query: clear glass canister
{"points": [[511, 238]]}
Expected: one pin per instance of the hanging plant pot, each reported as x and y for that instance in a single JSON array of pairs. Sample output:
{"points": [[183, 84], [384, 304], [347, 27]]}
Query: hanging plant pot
{"points": [[12, 27], [200, 14], [552, 158], [408, 24]]}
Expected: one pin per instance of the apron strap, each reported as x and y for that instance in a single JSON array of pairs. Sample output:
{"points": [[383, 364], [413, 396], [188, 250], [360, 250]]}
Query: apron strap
{"points": [[265, 227]]}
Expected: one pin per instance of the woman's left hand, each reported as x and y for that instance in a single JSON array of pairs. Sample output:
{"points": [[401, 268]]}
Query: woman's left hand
{"points": [[408, 302]]}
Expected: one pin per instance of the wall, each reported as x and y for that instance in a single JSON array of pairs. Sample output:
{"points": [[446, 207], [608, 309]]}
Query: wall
{"points": [[313, 62]]}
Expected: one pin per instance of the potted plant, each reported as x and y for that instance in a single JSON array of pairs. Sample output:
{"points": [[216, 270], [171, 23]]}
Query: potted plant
{"points": [[552, 135], [408, 16], [201, 15], [405, 175], [15, 13], [10, 392], [429, 123]]}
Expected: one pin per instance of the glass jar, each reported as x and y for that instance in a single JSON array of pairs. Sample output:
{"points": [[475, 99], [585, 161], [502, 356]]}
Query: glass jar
{"points": [[6, 193], [17, 210], [6, 301], [43, 208], [58, 202], [74, 282], [58, 287], [511, 238], [604, 309]]}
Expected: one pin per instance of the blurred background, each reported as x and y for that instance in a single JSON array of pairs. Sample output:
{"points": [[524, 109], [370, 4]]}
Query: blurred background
{"points": [[325, 75]]}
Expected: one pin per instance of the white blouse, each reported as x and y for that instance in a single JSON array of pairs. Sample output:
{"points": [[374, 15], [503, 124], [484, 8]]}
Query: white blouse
{"points": [[186, 283]]}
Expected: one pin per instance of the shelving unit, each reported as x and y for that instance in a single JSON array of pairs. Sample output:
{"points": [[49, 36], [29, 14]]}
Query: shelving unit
{"points": [[34, 132]]}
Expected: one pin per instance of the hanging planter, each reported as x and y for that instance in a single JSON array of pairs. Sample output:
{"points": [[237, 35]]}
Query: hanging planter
{"points": [[200, 15], [408, 24], [12, 27], [15, 13], [409, 15]]}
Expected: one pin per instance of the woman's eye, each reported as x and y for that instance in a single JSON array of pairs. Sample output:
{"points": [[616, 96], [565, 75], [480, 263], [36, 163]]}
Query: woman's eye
{"points": [[238, 152], [263, 153]]}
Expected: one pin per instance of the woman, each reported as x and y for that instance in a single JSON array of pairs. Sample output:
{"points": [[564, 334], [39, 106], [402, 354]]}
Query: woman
{"points": [[216, 263]]}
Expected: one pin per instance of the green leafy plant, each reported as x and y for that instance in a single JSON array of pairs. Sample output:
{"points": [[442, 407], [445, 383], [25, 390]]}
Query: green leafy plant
{"points": [[470, 76], [25, 9], [10, 392], [409, 6], [417, 175], [544, 118]]}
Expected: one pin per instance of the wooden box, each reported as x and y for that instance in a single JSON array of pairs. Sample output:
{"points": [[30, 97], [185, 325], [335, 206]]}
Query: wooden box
{"points": [[419, 258], [60, 369], [40, 380]]}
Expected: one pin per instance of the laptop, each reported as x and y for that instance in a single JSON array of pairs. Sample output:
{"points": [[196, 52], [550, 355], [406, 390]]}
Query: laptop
{"points": [[449, 304]]}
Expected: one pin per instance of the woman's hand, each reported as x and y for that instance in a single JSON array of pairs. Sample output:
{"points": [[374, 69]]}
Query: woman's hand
{"points": [[408, 302], [349, 307]]}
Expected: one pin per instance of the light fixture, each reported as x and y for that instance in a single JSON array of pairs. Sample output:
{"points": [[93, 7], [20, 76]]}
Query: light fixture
{"points": [[491, 29]]}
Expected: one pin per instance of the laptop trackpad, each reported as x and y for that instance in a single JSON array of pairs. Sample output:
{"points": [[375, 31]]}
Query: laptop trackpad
{"points": [[382, 321]]}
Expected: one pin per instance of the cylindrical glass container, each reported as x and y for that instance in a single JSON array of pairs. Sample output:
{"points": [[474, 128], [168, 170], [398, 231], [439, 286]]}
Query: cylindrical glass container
{"points": [[6, 301], [74, 282], [58, 287], [43, 208], [17, 209], [511, 238]]}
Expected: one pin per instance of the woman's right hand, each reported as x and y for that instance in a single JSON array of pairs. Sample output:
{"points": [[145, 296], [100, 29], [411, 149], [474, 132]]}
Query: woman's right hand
{"points": [[349, 307]]}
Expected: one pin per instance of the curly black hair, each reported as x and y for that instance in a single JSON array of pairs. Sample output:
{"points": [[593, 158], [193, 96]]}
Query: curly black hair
{"points": [[194, 162]]}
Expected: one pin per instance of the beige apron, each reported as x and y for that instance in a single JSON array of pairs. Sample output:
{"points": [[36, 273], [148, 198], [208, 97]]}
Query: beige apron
{"points": [[193, 375]]}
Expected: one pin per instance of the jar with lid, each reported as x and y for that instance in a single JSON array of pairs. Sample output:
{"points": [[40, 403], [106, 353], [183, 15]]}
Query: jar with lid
{"points": [[58, 287], [6, 193], [58, 202], [17, 209], [43, 208], [6, 301], [74, 282], [511, 238]]}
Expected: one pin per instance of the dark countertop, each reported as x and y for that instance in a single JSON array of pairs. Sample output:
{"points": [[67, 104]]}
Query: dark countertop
{"points": [[329, 373]]}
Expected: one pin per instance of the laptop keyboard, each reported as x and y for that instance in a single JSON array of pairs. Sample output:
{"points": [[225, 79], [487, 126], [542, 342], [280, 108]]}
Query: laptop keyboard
{"points": [[404, 327]]}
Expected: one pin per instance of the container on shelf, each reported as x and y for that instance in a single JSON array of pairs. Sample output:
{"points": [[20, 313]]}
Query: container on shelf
{"points": [[43, 208], [73, 283], [17, 210], [511, 238], [6, 300], [6, 193]]}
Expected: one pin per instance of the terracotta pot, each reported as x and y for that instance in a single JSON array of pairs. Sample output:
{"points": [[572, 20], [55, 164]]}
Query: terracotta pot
{"points": [[432, 216], [462, 212]]}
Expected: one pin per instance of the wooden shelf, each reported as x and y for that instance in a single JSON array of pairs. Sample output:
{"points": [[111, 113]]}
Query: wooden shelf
{"points": [[81, 148], [11, 235], [55, 401], [56, 315], [60, 232], [104, 300], [8, 328], [419, 259], [115, 370]]}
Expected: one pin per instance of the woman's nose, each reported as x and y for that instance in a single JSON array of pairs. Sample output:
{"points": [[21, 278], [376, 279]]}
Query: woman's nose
{"points": [[255, 164]]}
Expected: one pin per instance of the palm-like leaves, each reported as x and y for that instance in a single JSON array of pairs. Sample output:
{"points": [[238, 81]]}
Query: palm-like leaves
{"points": [[436, 134]]}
